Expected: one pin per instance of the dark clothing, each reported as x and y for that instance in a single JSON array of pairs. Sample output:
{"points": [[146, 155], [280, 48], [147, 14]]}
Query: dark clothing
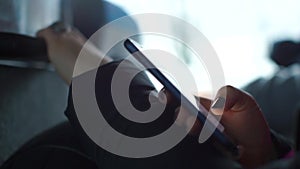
{"points": [[57, 148], [187, 154], [73, 145], [292, 163]]}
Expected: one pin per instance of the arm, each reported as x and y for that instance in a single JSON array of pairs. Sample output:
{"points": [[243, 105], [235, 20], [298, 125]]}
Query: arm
{"points": [[242, 118], [64, 48]]}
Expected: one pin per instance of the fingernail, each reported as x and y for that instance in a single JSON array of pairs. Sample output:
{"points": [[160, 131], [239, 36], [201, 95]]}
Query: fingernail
{"points": [[218, 103], [217, 106], [60, 27]]}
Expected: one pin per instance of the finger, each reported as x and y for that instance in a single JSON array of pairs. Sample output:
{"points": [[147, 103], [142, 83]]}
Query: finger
{"points": [[195, 126], [77, 32], [206, 103], [231, 98], [61, 27], [235, 106], [48, 34], [218, 106], [54, 31], [186, 120], [164, 96], [180, 116]]}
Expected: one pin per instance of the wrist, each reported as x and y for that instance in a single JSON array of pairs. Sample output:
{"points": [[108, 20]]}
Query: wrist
{"points": [[256, 154], [282, 146]]}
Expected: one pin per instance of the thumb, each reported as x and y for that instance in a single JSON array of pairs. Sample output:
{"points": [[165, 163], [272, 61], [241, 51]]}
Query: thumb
{"points": [[237, 109], [230, 99]]}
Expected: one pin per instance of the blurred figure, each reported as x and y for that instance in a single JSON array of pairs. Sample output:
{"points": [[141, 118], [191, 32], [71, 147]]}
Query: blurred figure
{"points": [[285, 53], [279, 95]]}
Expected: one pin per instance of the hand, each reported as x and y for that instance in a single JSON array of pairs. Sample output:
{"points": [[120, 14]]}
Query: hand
{"points": [[243, 122], [64, 46]]}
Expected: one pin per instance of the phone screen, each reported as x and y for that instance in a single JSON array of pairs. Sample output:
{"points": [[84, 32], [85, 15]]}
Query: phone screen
{"points": [[201, 112]]}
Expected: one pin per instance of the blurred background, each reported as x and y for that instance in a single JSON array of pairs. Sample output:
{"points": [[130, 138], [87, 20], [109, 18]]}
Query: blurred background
{"points": [[241, 32], [33, 98]]}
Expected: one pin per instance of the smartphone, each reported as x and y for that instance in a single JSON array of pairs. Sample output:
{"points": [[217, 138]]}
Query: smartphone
{"points": [[219, 136]]}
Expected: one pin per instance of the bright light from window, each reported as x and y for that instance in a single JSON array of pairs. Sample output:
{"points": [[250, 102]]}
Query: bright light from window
{"points": [[240, 31]]}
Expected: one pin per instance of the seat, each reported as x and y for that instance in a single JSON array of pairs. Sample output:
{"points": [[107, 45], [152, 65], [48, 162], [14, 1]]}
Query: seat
{"points": [[33, 98]]}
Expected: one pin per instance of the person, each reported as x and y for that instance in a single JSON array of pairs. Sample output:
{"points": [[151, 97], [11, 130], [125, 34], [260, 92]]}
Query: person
{"points": [[285, 53], [279, 94], [242, 118], [63, 49]]}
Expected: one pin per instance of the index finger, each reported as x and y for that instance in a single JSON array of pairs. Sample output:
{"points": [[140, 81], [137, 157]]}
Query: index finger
{"points": [[47, 33], [206, 103]]}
